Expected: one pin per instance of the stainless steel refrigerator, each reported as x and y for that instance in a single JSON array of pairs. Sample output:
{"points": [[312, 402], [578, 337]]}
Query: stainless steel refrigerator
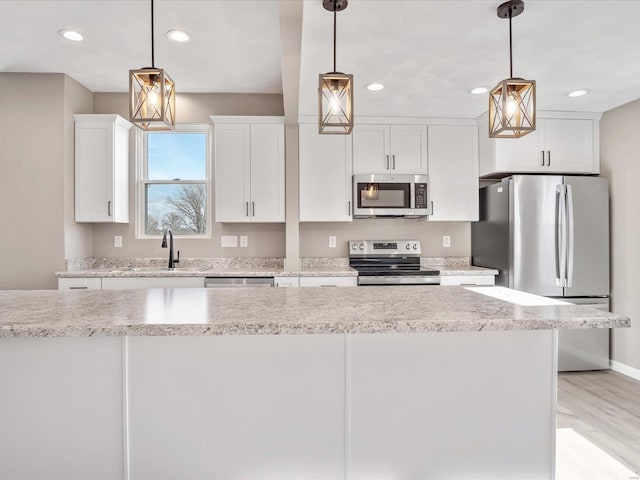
{"points": [[549, 235]]}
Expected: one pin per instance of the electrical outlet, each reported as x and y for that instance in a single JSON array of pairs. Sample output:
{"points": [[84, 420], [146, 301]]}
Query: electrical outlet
{"points": [[244, 241], [446, 241], [332, 242], [228, 241], [117, 241]]}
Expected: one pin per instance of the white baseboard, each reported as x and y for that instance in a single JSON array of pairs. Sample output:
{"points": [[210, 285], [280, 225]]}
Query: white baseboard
{"points": [[625, 369]]}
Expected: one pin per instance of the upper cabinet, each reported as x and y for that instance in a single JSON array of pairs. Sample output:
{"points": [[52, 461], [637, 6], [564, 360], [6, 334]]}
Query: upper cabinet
{"points": [[390, 149], [325, 176], [453, 172], [101, 168], [249, 169], [561, 143]]}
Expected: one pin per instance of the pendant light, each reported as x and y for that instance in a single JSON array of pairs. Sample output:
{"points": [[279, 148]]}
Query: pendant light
{"points": [[335, 92], [512, 103], [152, 95]]}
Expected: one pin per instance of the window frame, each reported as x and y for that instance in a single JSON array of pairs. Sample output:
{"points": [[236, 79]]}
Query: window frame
{"points": [[142, 181]]}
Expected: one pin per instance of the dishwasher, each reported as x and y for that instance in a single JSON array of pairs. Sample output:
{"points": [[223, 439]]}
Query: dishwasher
{"points": [[235, 282]]}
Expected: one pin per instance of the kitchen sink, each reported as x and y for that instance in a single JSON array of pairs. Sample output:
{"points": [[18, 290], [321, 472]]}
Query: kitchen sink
{"points": [[158, 269]]}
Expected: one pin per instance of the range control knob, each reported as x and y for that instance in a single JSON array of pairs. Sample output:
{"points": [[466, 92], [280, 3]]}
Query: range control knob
{"points": [[354, 247], [415, 246], [408, 246], [361, 246]]}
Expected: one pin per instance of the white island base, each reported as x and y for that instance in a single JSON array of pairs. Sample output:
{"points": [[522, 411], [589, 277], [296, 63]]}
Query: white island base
{"points": [[393, 406]]}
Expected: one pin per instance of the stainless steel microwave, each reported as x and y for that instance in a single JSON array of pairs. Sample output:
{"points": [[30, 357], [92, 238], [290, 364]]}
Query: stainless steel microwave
{"points": [[391, 196]]}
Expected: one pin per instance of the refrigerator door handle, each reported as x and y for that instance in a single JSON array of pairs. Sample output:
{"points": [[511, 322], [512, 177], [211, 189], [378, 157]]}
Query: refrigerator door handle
{"points": [[560, 234], [570, 235]]}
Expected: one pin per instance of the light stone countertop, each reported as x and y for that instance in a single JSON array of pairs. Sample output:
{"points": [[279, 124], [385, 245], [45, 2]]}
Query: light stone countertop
{"points": [[257, 311], [464, 270]]}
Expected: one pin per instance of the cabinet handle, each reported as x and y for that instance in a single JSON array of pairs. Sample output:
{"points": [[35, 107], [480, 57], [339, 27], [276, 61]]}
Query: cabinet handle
{"points": [[542, 161], [246, 209], [253, 209], [387, 167], [394, 161], [431, 212], [349, 208], [548, 158], [109, 207], [78, 288]]}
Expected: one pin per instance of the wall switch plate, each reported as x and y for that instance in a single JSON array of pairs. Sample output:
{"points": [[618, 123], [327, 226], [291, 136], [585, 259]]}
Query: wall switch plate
{"points": [[332, 242], [244, 241], [117, 241], [228, 241], [446, 241]]}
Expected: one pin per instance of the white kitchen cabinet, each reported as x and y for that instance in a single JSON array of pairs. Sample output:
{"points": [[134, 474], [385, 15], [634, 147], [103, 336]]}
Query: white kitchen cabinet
{"points": [[389, 149], [328, 281], [237, 406], [249, 170], [286, 282], [325, 176], [453, 172], [467, 280], [62, 408], [561, 144], [101, 168], [79, 283], [131, 283]]}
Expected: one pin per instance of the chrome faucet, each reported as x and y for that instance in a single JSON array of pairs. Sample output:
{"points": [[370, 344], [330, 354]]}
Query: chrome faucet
{"points": [[172, 261]]}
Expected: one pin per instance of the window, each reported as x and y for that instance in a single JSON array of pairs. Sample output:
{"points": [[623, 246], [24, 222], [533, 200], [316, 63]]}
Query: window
{"points": [[173, 182]]}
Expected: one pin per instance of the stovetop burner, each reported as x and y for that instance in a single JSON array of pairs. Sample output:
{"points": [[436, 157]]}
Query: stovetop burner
{"points": [[390, 263]]}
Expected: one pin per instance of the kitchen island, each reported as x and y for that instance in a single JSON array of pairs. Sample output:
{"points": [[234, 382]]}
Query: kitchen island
{"points": [[366, 383]]}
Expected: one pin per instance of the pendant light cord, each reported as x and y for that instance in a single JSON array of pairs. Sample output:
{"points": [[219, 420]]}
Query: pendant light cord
{"points": [[510, 46], [153, 61], [335, 5]]}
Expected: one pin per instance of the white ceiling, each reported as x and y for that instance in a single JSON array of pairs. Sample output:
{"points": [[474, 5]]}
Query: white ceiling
{"points": [[427, 53]]}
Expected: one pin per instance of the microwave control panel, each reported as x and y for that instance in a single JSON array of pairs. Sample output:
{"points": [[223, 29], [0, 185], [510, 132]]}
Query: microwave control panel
{"points": [[421, 195]]}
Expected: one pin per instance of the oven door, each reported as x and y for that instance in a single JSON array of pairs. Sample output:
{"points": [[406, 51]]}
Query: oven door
{"points": [[384, 195]]}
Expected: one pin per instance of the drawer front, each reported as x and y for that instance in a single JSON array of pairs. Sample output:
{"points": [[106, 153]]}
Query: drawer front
{"points": [[79, 283], [109, 283], [467, 280], [286, 281], [328, 281]]}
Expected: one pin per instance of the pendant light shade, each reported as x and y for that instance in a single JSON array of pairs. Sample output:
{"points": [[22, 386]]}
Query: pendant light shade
{"points": [[335, 90], [512, 103], [152, 95]]}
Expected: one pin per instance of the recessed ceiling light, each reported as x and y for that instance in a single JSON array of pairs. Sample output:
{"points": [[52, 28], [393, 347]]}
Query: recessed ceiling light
{"points": [[578, 93], [479, 90], [178, 35], [375, 87], [71, 35]]}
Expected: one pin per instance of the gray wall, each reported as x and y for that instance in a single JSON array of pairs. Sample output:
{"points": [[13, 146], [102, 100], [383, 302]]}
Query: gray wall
{"points": [[32, 202], [620, 162], [265, 240], [314, 237]]}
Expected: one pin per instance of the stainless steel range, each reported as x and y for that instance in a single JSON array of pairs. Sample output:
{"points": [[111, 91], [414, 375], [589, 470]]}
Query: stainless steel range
{"points": [[390, 262]]}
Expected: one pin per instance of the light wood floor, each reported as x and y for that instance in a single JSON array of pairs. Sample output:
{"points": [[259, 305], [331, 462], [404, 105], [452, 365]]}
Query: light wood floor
{"points": [[604, 408]]}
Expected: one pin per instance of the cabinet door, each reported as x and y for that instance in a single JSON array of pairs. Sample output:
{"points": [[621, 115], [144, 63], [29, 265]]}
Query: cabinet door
{"points": [[467, 280], [568, 145], [328, 281], [522, 154], [453, 172], [94, 172], [408, 149], [371, 149], [325, 176], [232, 173], [267, 173]]}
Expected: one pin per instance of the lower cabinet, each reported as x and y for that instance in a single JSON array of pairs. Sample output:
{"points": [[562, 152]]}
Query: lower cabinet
{"points": [[286, 281], [61, 408], [328, 281], [243, 407], [130, 283], [467, 280], [79, 283]]}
